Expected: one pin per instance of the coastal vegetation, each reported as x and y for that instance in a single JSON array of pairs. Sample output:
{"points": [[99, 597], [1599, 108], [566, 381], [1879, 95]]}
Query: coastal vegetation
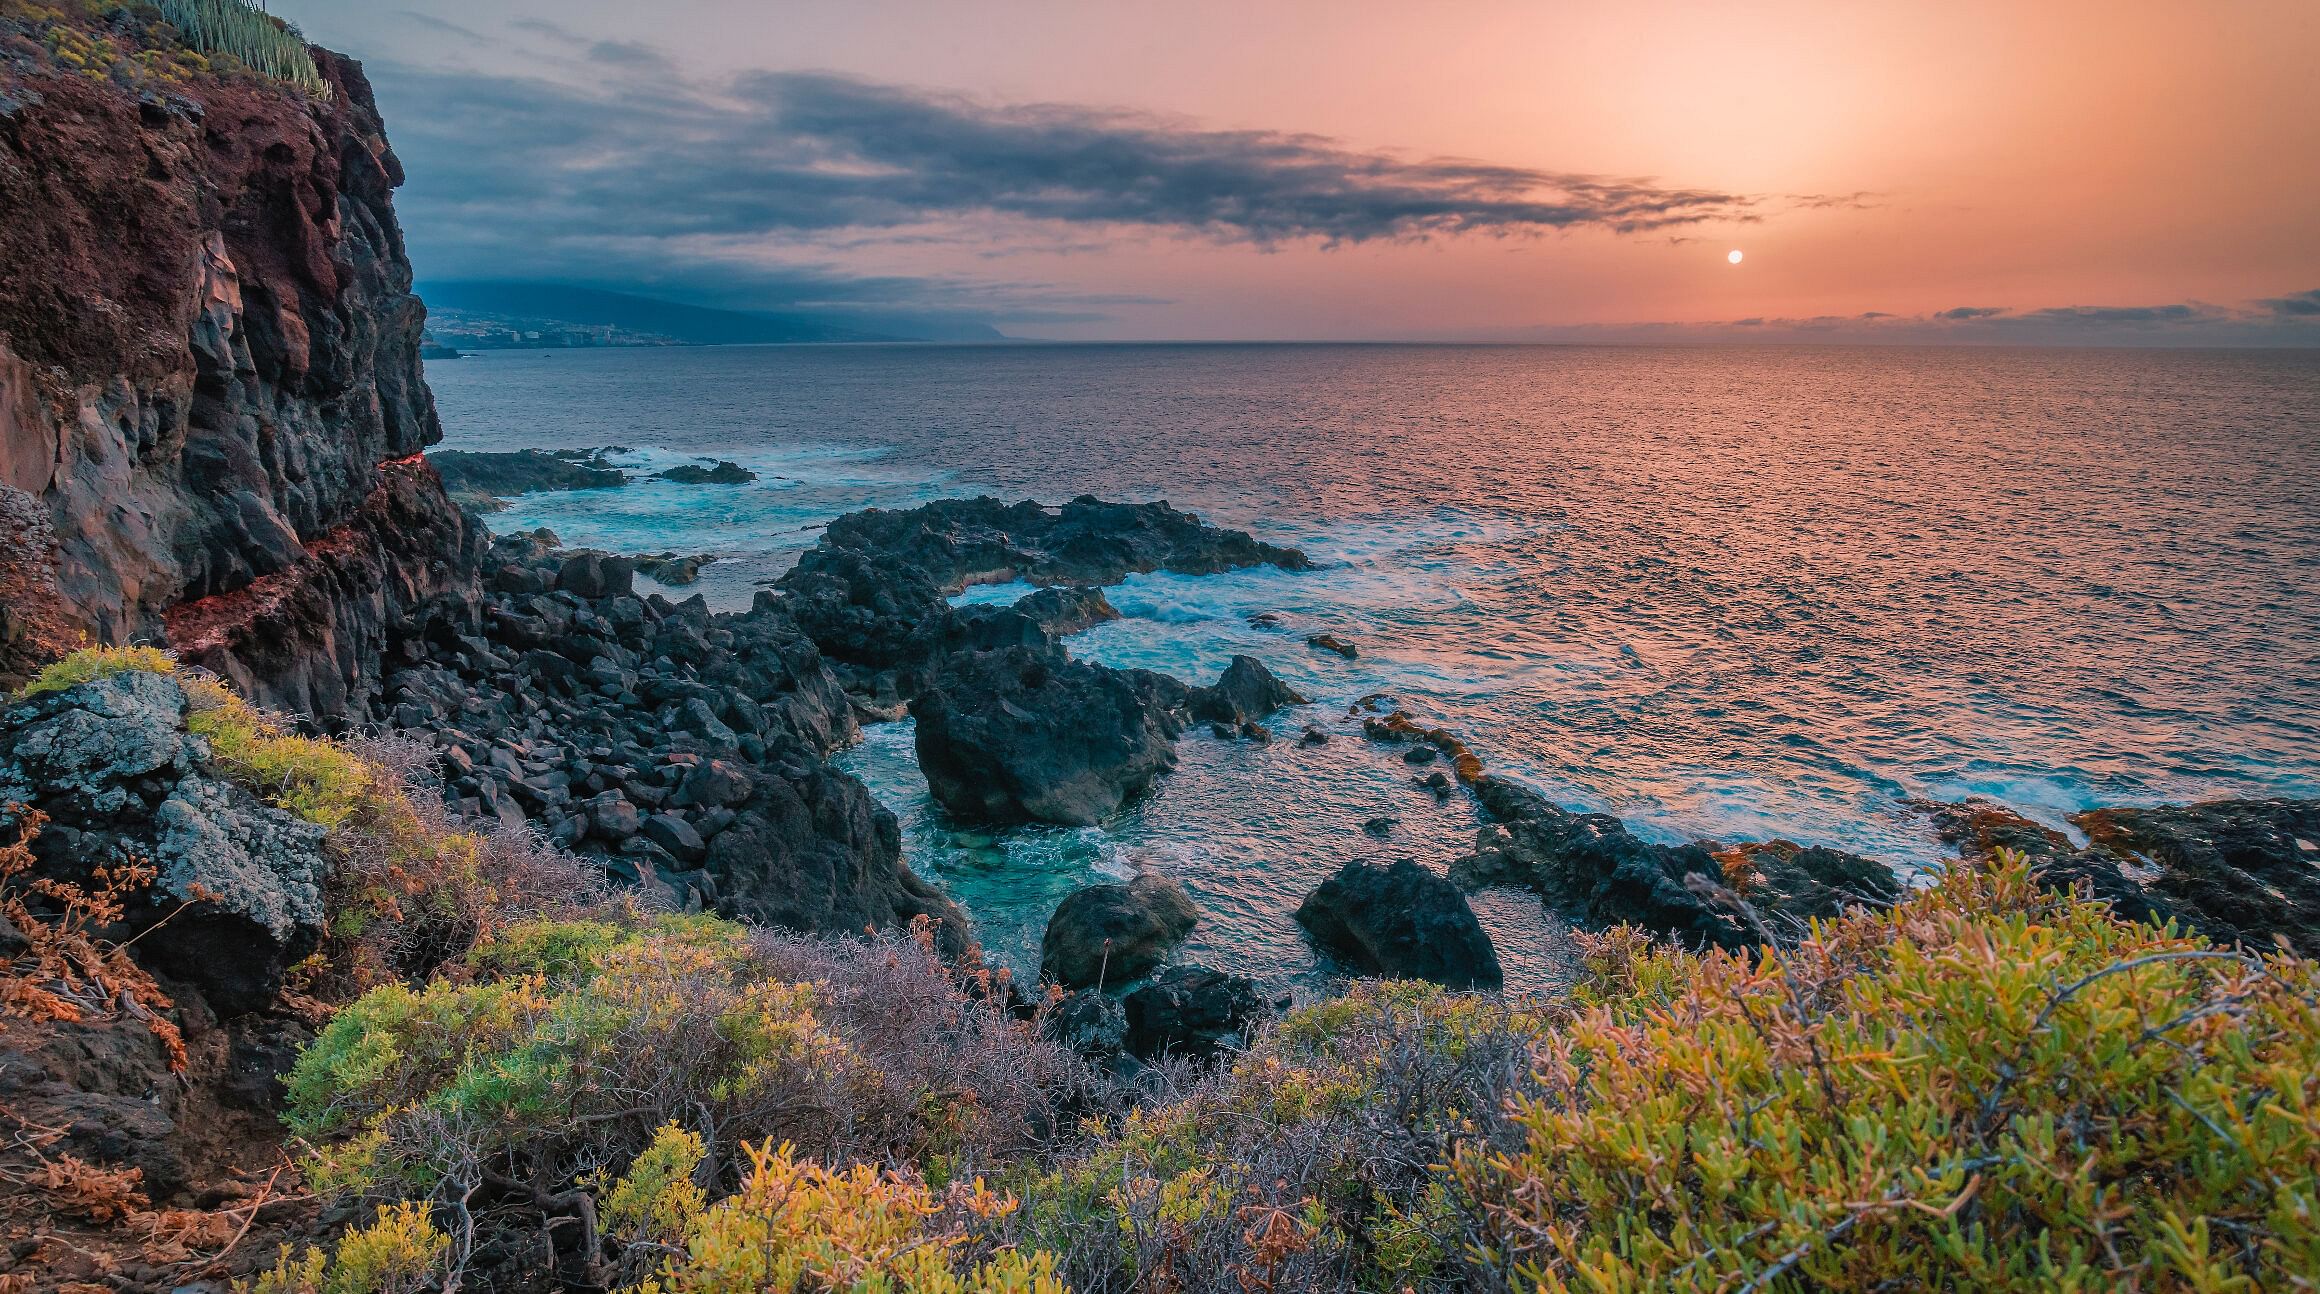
{"points": [[1989, 1084], [169, 40]]}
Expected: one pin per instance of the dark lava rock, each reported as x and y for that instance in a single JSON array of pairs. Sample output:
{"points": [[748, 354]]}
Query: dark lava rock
{"points": [[238, 895], [1381, 827], [957, 542], [1067, 609], [684, 751], [1029, 735], [2236, 871], [1246, 693], [480, 480], [873, 591], [1590, 867], [1401, 920], [1333, 643], [1111, 934], [1092, 1023], [1190, 1011], [1313, 736], [722, 473]]}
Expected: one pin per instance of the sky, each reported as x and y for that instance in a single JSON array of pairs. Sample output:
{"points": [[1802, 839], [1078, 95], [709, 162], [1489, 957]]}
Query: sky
{"points": [[2061, 171]]}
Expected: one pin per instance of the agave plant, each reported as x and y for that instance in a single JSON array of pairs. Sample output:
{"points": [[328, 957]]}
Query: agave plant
{"points": [[263, 43]]}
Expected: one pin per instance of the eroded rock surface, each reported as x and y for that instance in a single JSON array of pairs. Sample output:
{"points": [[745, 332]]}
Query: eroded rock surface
{"points": [[238, 893]]}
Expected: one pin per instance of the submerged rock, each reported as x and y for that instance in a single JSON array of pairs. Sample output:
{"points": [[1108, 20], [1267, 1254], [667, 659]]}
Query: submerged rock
{"points": [[1190, 1011], [1111, 934], [1401, 920], [1590, 867], [1333, 644], [237, 896], [1023, 734]]}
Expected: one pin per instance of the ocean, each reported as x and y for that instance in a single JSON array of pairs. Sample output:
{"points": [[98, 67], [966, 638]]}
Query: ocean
{"points": [[1739, 592]]}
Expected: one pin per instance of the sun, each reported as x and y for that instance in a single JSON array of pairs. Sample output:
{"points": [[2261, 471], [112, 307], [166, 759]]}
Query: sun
{"points": [[1734, 256]]}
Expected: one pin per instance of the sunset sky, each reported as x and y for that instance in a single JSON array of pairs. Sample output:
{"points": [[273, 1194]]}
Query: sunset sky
{"points": [[2114, 171]]}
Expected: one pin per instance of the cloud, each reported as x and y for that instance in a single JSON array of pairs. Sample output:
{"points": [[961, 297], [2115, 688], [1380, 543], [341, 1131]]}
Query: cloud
{"points": [[1859, 200], [2128, 316], [2292, 320], [792, 152], [613, 169], [2295, 305]]}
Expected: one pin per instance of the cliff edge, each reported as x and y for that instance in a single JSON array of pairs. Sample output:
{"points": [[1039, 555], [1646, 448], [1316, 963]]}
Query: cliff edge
{"points": [[211, 402]]}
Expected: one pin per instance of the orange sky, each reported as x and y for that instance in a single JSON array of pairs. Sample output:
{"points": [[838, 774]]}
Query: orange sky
{"points": [[2020, 154]]}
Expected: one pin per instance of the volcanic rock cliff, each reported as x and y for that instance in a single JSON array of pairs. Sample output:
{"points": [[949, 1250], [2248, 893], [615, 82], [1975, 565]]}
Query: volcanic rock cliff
{"points": [[211, 405]]}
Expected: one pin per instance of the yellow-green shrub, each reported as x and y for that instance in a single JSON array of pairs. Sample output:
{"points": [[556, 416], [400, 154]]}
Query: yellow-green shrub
{"points": [[1988, 1087], [315, 778], [795, 1225], [89, 664], [401, 1251]]}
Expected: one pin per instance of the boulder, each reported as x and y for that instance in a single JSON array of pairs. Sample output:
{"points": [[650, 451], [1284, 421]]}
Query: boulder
{"points": [[1111, 934], [1333, 644], [1246, 693], [1401, 920], [593, 575], [1190, 1011], [1023, 734], [237, 896]]}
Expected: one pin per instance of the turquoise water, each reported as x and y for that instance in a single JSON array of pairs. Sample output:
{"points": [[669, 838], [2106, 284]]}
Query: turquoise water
{"points": [[1721, 592]]}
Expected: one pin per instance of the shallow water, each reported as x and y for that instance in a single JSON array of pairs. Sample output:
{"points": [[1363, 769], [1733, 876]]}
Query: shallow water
{"points": [[1721, 592]]}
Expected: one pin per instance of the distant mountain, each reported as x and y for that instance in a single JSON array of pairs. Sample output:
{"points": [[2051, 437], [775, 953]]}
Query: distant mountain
{"points": [[488, 311]]}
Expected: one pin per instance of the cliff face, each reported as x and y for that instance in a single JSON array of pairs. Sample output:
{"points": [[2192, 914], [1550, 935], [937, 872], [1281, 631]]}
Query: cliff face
{"points": [[210, 383]]}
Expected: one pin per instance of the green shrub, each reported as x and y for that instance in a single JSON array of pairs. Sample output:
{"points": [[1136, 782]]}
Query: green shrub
{"points": [[1989, 1087], [264, 44]]}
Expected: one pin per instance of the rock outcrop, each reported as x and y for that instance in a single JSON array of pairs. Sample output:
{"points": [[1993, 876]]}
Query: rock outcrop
{"points": [[1400, 919], [1592, 868], [873, 591], [2236, 871], [210, 380], [1111, 934], [480, 481], [237, 894], [684, 749]]}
